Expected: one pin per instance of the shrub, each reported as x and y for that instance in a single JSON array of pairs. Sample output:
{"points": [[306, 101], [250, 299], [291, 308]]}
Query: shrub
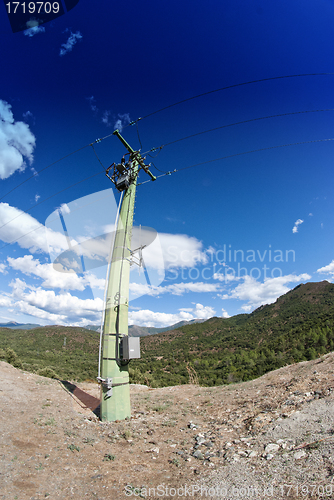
{"points": [[47, 372], [12, 358]]}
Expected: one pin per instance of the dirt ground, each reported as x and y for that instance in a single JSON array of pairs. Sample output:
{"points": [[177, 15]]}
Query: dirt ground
{"points": [[274, 434]]}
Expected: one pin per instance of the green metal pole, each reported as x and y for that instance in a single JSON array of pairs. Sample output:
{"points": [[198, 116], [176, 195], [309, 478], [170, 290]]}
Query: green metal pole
{"points": [[116, 406]]}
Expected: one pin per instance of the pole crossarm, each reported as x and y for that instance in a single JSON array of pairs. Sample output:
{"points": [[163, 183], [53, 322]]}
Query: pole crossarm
{"points": [[135, 154]]}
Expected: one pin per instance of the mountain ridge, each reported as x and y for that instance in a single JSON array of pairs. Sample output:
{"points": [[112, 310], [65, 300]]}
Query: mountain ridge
{"points": [[298, 326]]}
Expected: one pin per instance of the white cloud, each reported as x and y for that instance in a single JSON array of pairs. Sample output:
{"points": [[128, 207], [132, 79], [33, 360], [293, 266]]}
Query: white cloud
{"points": [[227, 276], [3, 268], [158, 319], [146, 317], [225, 314], [297, 223], [71, 41], [25, 308], [257, 294], [64, 209], [28, 232], [329, 269], [203, 312], [179, 250], [34, 31], [16, 142], [122, 121], [138, 289], [5, 301], [62, 308], [51, 278], [106, 118], [54, 278], [37, 197]]}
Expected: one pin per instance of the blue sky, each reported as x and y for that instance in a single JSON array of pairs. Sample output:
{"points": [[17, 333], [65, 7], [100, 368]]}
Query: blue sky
{"points": [[231, 234]]}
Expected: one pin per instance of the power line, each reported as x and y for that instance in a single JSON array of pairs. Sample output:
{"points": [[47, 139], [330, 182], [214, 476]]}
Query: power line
{"points": [[98, 159], [141, 146], [61, 191], [162, 109], [226, 88], [240, 154], [42, 169], [160, 148], [185, 168], [240, 123], [163, 171]]}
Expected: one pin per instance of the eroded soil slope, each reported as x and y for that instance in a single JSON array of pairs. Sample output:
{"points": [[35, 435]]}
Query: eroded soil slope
{"points": [[267, 434]]}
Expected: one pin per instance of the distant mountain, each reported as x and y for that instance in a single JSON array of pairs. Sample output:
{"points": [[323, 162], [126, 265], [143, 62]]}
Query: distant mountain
{"points": [[94, 328], [19, 326], [134, 330], [143, 331]]}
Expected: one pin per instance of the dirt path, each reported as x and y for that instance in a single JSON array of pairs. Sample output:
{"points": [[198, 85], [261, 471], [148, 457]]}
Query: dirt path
{"points": [[180, 442]]}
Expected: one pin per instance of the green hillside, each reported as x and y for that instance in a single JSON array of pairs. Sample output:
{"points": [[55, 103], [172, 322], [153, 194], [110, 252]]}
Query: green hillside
{"points": [[66, 352], [298, 326]]}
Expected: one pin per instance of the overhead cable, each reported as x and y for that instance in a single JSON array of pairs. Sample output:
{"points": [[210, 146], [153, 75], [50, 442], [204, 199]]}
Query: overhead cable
{"points": [[226, 88], [238, 123], [134, 122], [240, 154]]}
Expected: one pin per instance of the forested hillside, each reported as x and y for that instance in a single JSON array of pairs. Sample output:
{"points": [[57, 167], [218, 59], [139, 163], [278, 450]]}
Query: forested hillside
{"points": [[298, 326]]}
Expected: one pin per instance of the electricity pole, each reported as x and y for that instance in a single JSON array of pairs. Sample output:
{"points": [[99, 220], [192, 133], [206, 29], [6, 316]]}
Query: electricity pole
{"points": [[115, 389]]}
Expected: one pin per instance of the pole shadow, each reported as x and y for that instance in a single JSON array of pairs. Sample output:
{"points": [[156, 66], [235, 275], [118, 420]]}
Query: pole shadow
{"points": [[88, 401]]}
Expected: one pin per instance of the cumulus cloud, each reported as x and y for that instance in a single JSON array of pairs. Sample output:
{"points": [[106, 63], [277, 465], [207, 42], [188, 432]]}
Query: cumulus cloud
{"points": [[34, 31], [3, 268], [64, 209], [203, 312], [158, 319], [329, 269], [16, 143], [60, 308], [297, 223], [22, 228], [71, 41], [225, 314], [179, 250], [51, 277], [257, 294], [5, 301]]}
